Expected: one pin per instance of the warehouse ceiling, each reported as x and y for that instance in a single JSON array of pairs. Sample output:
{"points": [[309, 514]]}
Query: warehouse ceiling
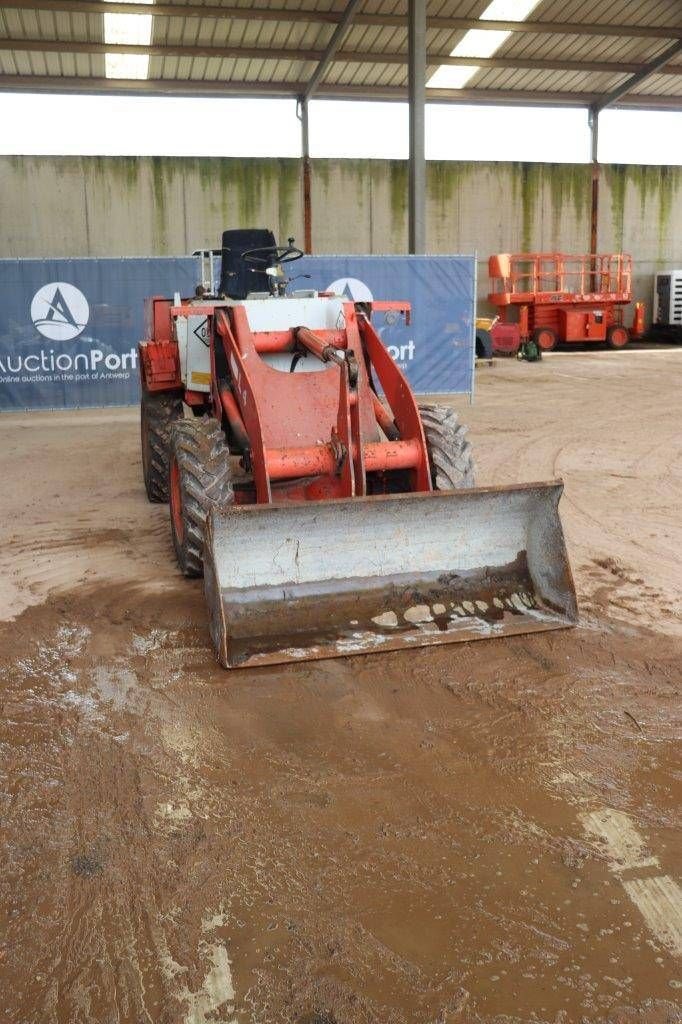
{"points": [[565, 52]]}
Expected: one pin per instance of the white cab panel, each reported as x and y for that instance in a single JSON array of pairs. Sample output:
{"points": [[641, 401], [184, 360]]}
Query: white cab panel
{"points": [[279, 314]]}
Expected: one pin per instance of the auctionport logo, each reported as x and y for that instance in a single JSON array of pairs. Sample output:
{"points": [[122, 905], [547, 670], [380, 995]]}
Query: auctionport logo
{"points": [[60, 311], [351, 288]]}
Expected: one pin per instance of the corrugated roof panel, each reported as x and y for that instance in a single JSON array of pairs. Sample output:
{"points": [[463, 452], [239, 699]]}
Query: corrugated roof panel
{"points": [[661, 85], [7, 63], [301, 34], [375, 38], [456, 9], [610, 12], [30, 64], [548, 81], [552, 47]]}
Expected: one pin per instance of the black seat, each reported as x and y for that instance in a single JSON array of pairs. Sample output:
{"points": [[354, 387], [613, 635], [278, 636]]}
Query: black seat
{"points": [[238, 278]]}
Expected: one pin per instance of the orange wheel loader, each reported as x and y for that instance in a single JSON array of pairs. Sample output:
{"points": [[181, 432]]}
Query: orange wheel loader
{"points": [[329, 513]]}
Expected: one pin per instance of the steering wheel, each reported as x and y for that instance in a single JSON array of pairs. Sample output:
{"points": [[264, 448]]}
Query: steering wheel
{"points": [[268, 255]]}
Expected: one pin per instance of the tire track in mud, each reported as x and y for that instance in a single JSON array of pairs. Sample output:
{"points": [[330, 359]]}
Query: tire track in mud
{"points": [[55, 560], [94, 855], [658, 897], [613, 833], [354, 839], [621, 518]]}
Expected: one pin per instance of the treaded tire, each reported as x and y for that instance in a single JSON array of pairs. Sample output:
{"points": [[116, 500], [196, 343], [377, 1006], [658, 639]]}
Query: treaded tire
{"points": [[545, 339], [450, 454], [158, 413], [617, 336], [199, 480], [484, 343]]}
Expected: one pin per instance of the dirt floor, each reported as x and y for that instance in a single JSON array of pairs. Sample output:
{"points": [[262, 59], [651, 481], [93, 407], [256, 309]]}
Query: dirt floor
{"points": [[483, 832]]}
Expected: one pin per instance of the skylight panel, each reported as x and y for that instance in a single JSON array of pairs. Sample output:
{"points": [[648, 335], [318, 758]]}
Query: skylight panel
{"points": [[479, 42], [130, 29]]}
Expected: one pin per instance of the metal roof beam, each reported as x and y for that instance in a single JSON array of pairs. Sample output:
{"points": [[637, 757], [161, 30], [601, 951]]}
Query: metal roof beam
{"points": [[632, 83], [213, 11], [291, 90], [331, 49], [342, 56]]}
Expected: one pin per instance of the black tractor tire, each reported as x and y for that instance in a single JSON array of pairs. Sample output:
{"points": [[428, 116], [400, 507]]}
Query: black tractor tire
{"points": [[450, 454], [158, 413], [484, 344], [199, 480]]}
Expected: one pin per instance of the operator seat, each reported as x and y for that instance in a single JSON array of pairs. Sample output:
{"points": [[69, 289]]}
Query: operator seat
{"points": [[238, 278]]}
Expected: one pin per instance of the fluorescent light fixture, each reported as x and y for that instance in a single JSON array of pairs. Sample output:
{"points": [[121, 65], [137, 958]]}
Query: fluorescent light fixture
{"points": [[135, 29], [478, 42]]}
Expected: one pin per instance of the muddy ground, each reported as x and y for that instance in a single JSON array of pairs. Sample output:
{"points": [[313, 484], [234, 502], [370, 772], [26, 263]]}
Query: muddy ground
{"points": [[485, 832]]}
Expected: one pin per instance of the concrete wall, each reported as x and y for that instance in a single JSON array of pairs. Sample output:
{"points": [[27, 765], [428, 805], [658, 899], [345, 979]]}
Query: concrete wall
{"points": [[126, 206]]}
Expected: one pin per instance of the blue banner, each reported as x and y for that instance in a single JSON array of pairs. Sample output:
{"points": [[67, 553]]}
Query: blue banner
{"points": [[436, 350], [69, 328]]}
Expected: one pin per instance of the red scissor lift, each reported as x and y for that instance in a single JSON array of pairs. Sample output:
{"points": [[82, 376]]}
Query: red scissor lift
{"points": [[563, 298]]}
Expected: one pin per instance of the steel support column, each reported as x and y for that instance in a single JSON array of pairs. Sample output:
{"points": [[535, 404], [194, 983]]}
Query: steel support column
{"points": [[325, 62], [305, 154], [593, 121], [417, 96], [594, 157]]}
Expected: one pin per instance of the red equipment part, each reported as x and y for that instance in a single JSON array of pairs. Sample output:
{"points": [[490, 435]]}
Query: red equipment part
{"points": [[506, 339], [565, 298], [271, 401], [160, 366], [347, 550], [638, 326]]}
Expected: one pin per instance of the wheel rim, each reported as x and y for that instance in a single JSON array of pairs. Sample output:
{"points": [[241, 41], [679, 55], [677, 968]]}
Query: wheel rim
{"points": [[176, 499], [619, 337], [546, 340]]}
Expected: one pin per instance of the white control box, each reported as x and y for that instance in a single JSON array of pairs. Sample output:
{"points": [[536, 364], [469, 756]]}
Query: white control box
{"points": [[191, 333]]}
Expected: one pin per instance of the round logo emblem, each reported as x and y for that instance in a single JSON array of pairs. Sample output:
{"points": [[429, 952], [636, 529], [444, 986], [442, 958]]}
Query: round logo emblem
{"points": [[60, 311], [351, 288]]}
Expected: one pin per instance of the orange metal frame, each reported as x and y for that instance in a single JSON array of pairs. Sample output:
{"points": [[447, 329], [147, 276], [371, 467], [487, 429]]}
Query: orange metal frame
{"points": [[572, 297], [553, 277], [303, 436]]}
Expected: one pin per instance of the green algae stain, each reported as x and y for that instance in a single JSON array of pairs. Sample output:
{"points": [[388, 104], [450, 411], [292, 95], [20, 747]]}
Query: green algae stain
{"points": [[321, 169], [209, 172], [616, 176], [398, 183], [123, 171], [647, 181], [244, 192], [255, 192], [566, 188], [654, 182], [668, 185], [247, 183], [570, 186], [289, 186], [162, 174], [525, 180], [445, 180]]}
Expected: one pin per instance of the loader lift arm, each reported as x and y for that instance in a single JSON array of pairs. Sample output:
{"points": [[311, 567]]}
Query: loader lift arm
{"points": [[328, 520]]}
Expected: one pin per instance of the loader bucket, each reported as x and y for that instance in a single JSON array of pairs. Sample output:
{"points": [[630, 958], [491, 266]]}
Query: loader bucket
{"points": [[291, 582]]}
